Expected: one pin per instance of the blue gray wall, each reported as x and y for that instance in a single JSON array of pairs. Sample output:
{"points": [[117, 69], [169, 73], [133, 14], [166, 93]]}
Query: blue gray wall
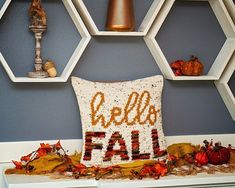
{"points": [[34, 111]]}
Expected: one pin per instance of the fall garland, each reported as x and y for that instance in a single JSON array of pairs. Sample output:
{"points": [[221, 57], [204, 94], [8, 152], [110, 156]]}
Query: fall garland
{"points": [[183, 159]]}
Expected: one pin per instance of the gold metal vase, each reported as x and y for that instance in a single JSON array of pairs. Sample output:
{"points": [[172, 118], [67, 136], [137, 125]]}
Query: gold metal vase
{"points": [[120, 16]]}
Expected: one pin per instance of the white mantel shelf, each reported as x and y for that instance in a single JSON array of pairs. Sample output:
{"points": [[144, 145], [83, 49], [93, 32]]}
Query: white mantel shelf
{"points": [[205, 180], [26, 181], [202, 180]]}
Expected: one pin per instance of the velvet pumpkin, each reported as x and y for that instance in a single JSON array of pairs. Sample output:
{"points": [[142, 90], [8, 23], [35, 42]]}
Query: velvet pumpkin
{"points": [[193, 67], [218, 154]]}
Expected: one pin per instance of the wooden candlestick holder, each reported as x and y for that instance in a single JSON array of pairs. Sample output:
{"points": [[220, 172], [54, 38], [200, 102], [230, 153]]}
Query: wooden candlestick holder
{"points": [[38, 71]]}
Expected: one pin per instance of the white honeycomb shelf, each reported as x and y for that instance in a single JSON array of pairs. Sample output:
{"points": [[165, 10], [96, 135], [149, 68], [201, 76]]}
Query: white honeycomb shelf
{"points": [[222, 58], [224, 89], [141, 31], [85, 38], [231, 8]]}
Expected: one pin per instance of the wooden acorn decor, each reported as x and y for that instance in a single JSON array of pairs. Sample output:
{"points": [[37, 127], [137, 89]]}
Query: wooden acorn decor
{"points": [[50, 68]]}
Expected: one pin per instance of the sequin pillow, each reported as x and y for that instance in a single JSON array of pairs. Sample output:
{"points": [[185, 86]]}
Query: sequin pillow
{"points": [[121, 121]]}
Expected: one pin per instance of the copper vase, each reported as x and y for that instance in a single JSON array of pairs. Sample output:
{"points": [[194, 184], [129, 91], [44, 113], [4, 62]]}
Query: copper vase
{"points": [[120, 16]]}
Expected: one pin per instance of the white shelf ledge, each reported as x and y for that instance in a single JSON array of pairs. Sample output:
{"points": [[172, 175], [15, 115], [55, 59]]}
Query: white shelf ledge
{"points": [[23, 181], [202, 180], [142, 30], [203, 77], [222, 58], [82, 44], [116, 33]]}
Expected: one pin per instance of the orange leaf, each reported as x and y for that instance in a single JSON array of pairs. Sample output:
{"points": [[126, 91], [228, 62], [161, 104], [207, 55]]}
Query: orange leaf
{"points": [[41, 152], [26, 158], [58, 145], [45, 147], [80, 165], [18, 164], [160, 169]]}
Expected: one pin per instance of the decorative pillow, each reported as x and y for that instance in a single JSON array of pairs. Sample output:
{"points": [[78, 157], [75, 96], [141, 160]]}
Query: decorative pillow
{"points": [[121, 121]]}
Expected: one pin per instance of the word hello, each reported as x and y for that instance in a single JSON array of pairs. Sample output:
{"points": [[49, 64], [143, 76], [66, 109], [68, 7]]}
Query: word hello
{"points": [[117, 138], [136, 104]]}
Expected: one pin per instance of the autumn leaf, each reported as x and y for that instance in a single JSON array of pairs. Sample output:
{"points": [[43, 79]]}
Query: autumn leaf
{"points": [[18, 164], [80, 165], [160, 169], [46, 147], [146, 170], [26, 158], [41, 152], [58, 145]]}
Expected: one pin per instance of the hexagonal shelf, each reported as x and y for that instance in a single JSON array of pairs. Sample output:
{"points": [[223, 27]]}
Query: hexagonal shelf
{"points": [[141, 31], [224, 89], [231, 8], [222, 58], [85, 38]]}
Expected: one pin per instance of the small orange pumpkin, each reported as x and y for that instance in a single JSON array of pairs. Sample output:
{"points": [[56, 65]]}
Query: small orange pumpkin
{"points": [[193, 67], [176, 67], [201, 157], [232, 154]]}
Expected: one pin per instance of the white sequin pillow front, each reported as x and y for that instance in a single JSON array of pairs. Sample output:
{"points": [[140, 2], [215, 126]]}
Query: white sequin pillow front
{"points": [[121, 121]]}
